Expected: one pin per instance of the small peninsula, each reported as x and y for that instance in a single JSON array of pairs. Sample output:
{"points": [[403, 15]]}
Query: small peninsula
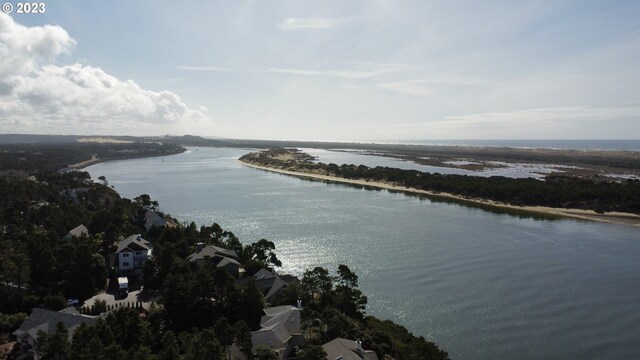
{"points": [[566, 196]]}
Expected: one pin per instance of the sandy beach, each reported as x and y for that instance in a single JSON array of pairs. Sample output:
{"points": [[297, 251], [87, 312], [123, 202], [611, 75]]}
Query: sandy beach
{"points": [[610, 217], [83, 164]]}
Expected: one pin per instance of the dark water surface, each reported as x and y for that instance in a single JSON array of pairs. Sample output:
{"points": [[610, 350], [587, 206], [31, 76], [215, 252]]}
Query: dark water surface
{"points": [[482, 285]]}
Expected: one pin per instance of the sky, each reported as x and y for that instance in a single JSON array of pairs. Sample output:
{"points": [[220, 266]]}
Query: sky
{"points": [[347, 70]]}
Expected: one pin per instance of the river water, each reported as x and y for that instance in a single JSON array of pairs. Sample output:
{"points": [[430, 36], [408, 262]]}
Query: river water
{"points": [[481, 284]]}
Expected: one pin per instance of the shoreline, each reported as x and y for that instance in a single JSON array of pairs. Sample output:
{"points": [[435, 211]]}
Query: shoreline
{"points": [[83, 164], [96, 160], [590, 215]]}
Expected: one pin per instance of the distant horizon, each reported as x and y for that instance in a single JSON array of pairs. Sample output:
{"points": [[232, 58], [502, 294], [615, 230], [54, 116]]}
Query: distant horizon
{"points": [[578, 144], [323, 140], [320, 140]]}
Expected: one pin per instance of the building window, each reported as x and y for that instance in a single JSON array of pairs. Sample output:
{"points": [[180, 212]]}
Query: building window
{"points": [[125, 264], [138, 253], [125, 254]]}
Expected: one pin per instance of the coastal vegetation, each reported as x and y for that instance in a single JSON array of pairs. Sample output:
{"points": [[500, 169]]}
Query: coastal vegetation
{"points": [[555, 191], [198, 311], [30, 159]]}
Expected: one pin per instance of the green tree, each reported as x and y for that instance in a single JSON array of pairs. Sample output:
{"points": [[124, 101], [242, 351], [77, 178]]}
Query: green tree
{"points": [[54, 302], [313, 352], [263, 252], [55, 346], [317, 284], [250, 303], [346, 277], [142, 353], [170, 349], [263, 352], [225, 333], [207, 346], [143, 200], [114, 352], [346, 295], [243, 339]]}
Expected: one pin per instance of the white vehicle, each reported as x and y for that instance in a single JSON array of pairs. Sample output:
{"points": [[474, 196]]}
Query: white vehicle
{"points": [[123, 286]]}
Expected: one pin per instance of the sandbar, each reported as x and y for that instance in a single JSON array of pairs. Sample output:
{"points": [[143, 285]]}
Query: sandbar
{"points": [[609, 217]]}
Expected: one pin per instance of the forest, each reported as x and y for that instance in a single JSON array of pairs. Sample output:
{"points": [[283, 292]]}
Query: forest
{"points": [[555, 191], [45, 158]]}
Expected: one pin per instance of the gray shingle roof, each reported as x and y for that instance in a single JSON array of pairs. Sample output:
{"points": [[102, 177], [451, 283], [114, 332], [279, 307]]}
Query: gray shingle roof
{"points": [[132, 243], [346, 350], [211, 251], [47, 320], [151, 215]]}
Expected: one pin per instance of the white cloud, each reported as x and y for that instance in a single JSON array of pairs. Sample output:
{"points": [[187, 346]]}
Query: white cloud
{"points": [[22, 49], [307, 23], [38, 96]]}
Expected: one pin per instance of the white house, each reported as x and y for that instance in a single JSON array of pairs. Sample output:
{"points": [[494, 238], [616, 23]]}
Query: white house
{"points": [[132, 253], [220, 257]]}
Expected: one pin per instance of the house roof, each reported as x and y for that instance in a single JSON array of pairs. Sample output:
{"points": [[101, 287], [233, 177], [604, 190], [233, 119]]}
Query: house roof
{"points": [[211, 251], [133, 243], [225, 261], [47, 320], [151, 215], [277, 310], [268, 282], [263, 274], [275, 287], [154, 221], [278, 326], [287, 316], [347, 350], [78, 231]]}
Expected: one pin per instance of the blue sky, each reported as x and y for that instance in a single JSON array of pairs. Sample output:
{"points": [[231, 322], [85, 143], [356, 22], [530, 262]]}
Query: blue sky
{"points": [[325, 70]]}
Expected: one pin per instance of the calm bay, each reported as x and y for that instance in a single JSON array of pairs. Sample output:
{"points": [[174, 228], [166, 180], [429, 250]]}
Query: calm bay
{"points": [[481, 284]]}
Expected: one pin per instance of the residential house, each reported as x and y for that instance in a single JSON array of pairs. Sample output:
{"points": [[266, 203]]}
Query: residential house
{"points": [[149, 219], [77, 231], [131, 254], [280, 330], [344, 349], [152, 219], [269, 282], [74, 194], [220, 257], [47, 321]]}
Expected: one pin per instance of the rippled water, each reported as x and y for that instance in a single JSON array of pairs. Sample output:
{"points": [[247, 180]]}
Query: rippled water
{"points": [[483, 285]]}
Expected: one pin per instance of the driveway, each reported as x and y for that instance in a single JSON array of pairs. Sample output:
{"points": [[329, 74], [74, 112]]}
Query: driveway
{"points": [[133, 297]]}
